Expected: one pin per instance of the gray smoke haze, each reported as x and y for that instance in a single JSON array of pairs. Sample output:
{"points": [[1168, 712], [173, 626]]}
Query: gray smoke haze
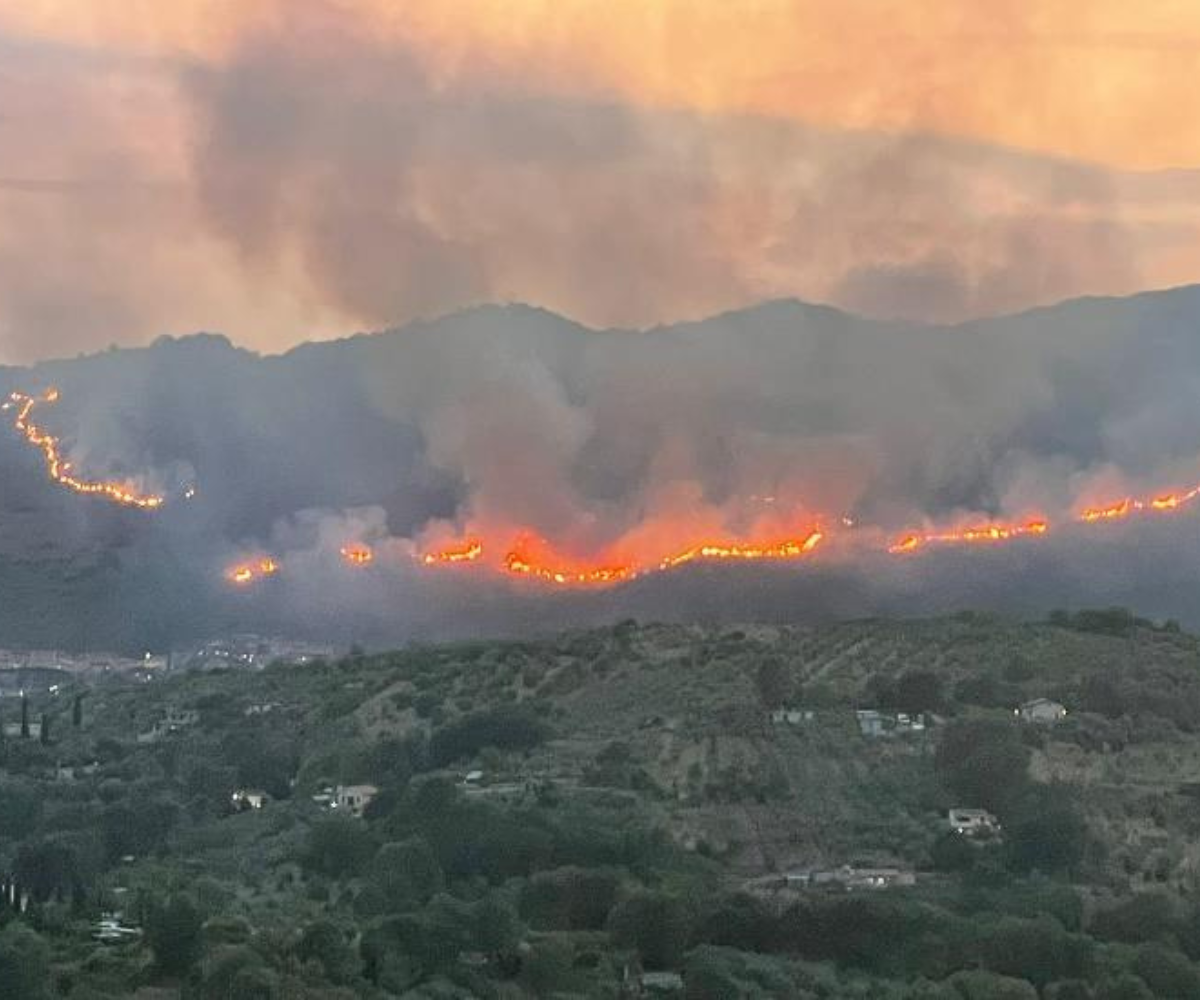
{"points": [[317, 179], [499, 419]]}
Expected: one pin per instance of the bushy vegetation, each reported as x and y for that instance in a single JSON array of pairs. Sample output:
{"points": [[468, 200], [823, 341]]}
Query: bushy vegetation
{"points": [[631, 808]]}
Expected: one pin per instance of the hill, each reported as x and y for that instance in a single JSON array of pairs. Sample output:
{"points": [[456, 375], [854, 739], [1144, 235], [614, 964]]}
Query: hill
{"points": [[548, 815], [512, 423]]}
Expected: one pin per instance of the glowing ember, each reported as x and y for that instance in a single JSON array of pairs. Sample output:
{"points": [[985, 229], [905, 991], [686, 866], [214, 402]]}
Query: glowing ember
{"points": [[1162, 503], [358, 555], [244, 574], [531, 558], [790, 549], [469, 551], [986, 533], [60, 471]]}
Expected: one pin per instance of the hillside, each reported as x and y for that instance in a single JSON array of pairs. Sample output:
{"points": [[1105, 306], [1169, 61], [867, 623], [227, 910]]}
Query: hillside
{"points": [[553, 813], [511, 423]]}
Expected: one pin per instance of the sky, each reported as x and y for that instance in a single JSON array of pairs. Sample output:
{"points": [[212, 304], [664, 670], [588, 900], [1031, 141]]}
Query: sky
{"points": [[281, 171]]}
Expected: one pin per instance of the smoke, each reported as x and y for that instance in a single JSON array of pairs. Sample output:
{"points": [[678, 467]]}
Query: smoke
{"points": [[323, 175], [523, 428]]}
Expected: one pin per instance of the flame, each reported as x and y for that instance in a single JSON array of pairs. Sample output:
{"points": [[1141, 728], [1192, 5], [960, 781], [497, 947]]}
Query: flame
{"points": [[531, 557], [470, 550], [245, 573], [59, 470], [912, 541], [358, 555], [1160, 503]]}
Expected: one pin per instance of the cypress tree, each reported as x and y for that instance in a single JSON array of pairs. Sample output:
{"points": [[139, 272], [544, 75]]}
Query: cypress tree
{"points": [[24, 716], [77, 712], [44, 736]]}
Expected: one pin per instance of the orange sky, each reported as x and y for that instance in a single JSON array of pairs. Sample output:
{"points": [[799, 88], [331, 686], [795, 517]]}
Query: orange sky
{"points": [[1106, 80], [280, 170]]}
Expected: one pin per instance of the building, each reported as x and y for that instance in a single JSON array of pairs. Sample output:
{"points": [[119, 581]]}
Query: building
{"points": [[872, 723], [353, 799], [791, 716], [1043, 711], [249, 799], [973, 822], [174, 721]]}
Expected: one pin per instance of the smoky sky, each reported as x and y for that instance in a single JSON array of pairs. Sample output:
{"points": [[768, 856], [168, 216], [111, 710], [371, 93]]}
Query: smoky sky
{"points": [[316, 179]]}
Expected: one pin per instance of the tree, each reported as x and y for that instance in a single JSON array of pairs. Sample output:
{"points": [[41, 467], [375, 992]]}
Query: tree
{"points": [[1047, 834], [325, 942], [77, 711], [1147, 916], [1124, 988], [403, 875], [173, 932], [983, 763], [917, 691], [1037, 950], [509, 727], [773, 682], [979, 985], [654, 924], [24, 716], [47, 869], [570, 899], [24, 964], [338, 847], [44, 732], [1167, 972]]}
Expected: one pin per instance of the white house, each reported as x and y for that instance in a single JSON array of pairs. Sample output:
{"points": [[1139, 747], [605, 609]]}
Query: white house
{"points": [[1043, 711], [791, 716], [246, 799], [973, 822], [353, 799]]}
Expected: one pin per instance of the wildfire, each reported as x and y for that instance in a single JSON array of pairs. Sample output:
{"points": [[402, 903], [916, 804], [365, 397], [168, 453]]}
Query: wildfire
{"points": [[790, 549], [1124, 508], [912, 541], [246, 573], [358, 555], [59, 470], [530, 557], [469, 551]]}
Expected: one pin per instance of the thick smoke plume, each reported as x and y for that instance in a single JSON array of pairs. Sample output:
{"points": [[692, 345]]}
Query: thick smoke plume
{"points": [[503, 420]]}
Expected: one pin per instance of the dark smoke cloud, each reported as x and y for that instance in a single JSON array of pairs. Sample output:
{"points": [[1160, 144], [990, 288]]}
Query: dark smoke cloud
{"points": [[499, 418], [405, 195]]}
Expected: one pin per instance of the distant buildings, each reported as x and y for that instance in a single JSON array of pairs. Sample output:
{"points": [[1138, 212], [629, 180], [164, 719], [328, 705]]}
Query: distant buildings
{"points": [[249, 799], [973, 822], [353, 799], [175, 720], [873, 724], [791, 716], [1042, 711]]}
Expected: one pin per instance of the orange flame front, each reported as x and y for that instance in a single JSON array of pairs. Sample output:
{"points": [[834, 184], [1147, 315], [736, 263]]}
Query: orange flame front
{"points": [[358, 555], [60, 470], [246, 573], [912, 541]]}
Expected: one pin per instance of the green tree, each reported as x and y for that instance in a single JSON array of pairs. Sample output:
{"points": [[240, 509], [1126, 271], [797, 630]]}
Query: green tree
{"points": [[654, 924], [773, 682], [983, 763], [174, 933], [337, 847], [402, 876], [980, 985], [1048, 833], [1167, 972], [327, 943], [24, 964]]}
